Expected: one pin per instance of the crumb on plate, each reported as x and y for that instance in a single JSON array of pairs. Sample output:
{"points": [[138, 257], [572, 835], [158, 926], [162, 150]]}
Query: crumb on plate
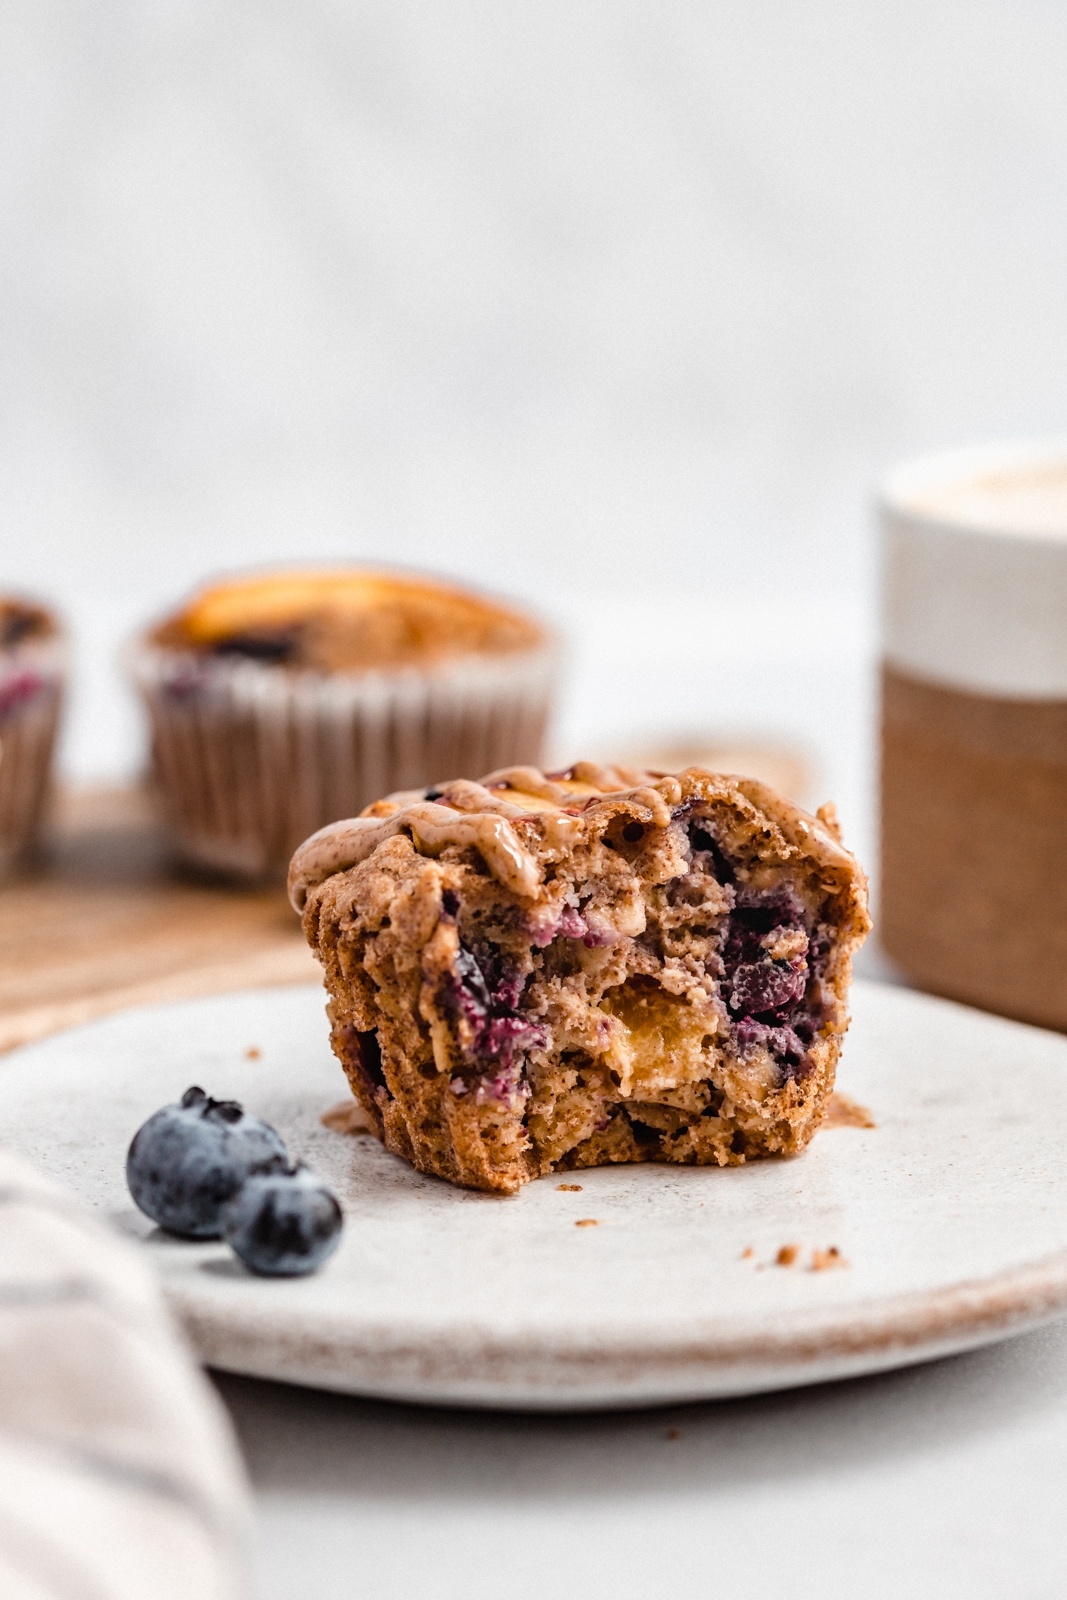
{"points": [[844, 1112], [347, 1117]]}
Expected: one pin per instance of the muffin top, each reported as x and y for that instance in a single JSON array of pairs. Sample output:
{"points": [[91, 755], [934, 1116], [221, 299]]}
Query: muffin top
{"points": [[519, 817], [22, 622], [344, 620]]}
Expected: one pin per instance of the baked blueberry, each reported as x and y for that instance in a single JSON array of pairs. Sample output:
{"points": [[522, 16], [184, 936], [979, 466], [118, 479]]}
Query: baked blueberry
{"points": [[189, 1159], [278, 645], [283, 1224]]}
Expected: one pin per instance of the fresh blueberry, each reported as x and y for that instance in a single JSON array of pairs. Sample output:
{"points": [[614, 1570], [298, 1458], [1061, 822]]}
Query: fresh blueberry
{"points": [[189, 1159], [283, 1224]]}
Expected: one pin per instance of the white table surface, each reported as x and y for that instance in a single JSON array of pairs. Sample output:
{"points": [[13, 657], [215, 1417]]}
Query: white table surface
{"points": [[943, 1480]]}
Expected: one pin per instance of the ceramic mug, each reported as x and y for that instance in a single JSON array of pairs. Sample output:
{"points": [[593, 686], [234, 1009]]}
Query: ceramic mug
{"points": [[974, 727]]}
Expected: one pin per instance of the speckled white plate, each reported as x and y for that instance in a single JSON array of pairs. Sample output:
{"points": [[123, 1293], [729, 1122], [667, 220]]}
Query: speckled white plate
{"points": [[950, 1218]]}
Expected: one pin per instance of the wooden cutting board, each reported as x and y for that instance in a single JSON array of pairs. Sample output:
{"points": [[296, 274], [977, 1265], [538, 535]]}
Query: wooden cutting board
{"points": [[105, 921]]}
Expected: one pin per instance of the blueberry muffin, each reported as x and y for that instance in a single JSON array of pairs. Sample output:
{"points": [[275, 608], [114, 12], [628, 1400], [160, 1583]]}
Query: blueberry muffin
{"points": [[541, 973], [31, 679], [282, 700]]}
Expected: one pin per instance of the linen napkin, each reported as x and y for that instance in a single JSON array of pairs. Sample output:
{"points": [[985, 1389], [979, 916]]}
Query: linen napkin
{"points": [[119, 1476]]}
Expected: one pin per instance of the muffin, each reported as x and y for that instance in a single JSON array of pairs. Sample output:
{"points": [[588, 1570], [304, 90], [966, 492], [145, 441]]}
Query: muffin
{"points": [[541, 973], [280, 701], [31, 679]]}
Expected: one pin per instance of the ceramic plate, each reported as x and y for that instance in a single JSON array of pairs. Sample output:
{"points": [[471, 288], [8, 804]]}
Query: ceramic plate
{"points": [[648, 1284]]}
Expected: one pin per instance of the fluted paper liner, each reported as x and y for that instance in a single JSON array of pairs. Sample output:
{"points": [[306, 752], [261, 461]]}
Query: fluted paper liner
{"points": [[31, 684], [248, 759]]}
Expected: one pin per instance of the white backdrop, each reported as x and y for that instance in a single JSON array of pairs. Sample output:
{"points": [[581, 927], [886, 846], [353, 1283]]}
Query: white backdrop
{"points": [[619, 307]]}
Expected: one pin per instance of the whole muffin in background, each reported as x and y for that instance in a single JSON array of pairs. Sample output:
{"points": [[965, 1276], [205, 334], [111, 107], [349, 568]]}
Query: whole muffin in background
{"points": [[280, 701], [31, 684]]}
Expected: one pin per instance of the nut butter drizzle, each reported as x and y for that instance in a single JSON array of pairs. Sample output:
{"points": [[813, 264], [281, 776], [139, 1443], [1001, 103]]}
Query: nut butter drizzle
{"points": [[482, 815], [432, 828], [478, 814]]}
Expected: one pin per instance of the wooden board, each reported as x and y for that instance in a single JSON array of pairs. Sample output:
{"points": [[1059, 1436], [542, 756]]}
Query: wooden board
{"points": [[105, 921]]}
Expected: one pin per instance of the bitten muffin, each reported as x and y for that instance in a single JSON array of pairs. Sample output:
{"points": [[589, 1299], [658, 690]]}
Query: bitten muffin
{"points": [[282, 700], [538, 973], [31, 680]]}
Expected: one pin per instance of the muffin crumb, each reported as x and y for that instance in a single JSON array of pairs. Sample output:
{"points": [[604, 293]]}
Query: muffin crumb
{"points": [[348, 1117], [844, 1112]]}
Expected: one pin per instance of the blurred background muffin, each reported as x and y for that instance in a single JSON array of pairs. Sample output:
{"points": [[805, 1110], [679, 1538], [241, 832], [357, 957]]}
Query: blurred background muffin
{"points": [[282, 701], [31, 676]]}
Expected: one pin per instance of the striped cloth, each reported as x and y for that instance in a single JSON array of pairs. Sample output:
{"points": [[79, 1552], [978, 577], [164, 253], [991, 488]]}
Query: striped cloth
{"points": [[119, 1478]]}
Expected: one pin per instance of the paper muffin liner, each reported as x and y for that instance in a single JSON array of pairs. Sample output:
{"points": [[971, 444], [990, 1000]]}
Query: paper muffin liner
{"points": [[249, 759], [31, 691]]}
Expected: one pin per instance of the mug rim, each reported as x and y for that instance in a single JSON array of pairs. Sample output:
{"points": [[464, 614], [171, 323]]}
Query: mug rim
{"points": [[918, 475]]}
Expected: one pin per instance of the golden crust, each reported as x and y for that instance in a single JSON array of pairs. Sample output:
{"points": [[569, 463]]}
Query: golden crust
{"points": [[542, 972], [23, 622], [346, 620]]}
